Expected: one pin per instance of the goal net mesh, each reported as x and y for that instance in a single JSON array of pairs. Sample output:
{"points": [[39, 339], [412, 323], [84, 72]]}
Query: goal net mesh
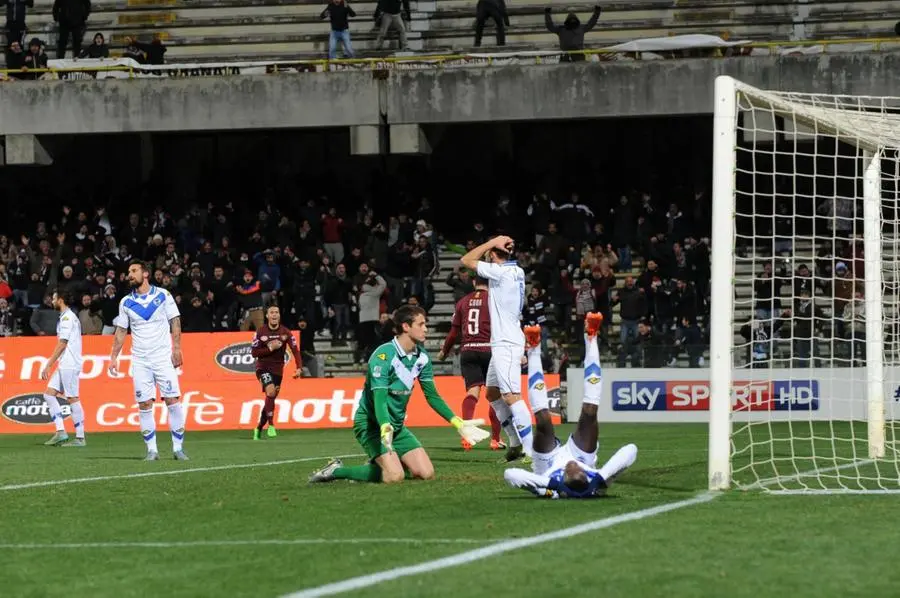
{"points": [[801, 377]]}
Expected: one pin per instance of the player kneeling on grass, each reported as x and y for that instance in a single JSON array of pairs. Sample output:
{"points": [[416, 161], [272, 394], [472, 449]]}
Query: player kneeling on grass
{"points": [[568, 471], [379, 422], [269, 343]]}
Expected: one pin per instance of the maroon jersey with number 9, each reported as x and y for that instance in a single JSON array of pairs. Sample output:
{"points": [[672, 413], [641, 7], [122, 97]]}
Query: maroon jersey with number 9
{"points": [[472, 319]]}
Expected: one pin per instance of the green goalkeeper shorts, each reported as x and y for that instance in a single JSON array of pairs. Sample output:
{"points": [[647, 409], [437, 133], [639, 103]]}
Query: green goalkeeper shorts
{"points": [[369, 437]]}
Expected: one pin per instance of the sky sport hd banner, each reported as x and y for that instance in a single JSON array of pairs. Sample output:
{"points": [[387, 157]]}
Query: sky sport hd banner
{"points": [[220, 391]]}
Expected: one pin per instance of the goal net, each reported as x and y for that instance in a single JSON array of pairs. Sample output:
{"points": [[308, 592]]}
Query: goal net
{"points": [[805, 329]]}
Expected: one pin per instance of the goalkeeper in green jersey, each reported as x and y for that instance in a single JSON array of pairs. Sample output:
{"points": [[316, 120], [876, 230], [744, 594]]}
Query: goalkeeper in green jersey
{"points": [[379, 427]]}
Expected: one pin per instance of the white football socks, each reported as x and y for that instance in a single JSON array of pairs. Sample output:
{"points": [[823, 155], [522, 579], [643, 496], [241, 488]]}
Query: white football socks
{"points": [[176, 425], [506, 421], [537, 389], [593, 375], [521, 418], [55, 412], [148, 429], [78, 419], [622, 460]]}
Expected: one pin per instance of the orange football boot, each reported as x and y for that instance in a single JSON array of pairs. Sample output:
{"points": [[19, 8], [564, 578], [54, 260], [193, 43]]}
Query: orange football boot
{"points": [[592, 323], [532, 336]]}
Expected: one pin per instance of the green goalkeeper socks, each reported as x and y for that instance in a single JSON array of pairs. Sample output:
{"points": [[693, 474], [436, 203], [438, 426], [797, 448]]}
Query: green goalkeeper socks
{"points": [[359, 473]]}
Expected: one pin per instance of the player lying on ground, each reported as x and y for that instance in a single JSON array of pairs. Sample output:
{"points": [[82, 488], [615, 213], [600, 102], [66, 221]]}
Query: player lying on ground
{"points": [[506, 298], [151, 313], [568, 471], [379, 421], [471, 324], [269, 343], [64, 382]]}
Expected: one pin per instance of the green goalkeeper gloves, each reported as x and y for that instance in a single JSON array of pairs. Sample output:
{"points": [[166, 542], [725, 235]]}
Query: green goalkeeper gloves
{"points": [[387, 437], [469, 429]]}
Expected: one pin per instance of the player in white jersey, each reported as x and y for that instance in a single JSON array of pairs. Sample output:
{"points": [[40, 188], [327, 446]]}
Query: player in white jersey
{"points": [[568, 471], [506, 297], [151, 314], [64, 380]]}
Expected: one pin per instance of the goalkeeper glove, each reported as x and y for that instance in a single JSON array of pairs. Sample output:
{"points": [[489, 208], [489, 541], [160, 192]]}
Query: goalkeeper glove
{"points": [[387, 437], [469, 429]]}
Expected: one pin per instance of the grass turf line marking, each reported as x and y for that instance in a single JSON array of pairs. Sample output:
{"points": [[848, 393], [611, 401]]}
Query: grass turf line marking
{"points": [[150, 474], [365, 581], [213, 543], [764, 484]]}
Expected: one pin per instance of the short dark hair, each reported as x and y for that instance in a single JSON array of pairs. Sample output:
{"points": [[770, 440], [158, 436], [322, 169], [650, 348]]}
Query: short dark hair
{"points": [[144, 266], [406, 314], [67, 296], [481, 281]]}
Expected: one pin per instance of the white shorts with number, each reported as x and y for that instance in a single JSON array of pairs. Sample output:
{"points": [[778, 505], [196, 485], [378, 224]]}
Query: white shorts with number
{"points": [[562, 454], [505, 369], [65, 382], [148, 376]]}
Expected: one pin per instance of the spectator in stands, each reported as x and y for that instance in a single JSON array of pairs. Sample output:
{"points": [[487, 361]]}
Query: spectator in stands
{"points": [[133, 51], [195, 317], [423, 229], [632, 303], [425, 267], [154, 52], [7, 319], [249, 296], [15, 59], [339, 13], [16, 12], [496, 10], [18, 273], [689, 338], [96, 50], [268, 274], [541, 213], [220, 291], [109, 308], [392, 13], [71, 15], [806, 324], [35, 58], [855, 326], [767, 290], [337, 295], [461, 283], [44, 318], [332, 227], [89, 316], [571, 33], [369, 300]]}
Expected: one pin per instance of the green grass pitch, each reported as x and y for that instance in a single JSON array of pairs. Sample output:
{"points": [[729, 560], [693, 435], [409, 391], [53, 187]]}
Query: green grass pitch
{"points": [[205, 533]]}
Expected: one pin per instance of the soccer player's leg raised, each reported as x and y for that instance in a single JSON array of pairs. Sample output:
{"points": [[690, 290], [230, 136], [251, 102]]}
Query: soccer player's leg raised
{"points": [[586, 433]]}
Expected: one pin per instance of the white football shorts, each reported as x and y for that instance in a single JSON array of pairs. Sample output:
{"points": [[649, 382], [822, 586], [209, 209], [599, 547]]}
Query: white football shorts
{"points": [[65, 382], [505, 369], [148, 376], [543, 463]]}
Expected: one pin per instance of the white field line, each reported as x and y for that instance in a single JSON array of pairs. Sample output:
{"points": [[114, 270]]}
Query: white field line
{"points": [[365, 581], [823, 491], [254, 543], [764, 484], [151, 474]]}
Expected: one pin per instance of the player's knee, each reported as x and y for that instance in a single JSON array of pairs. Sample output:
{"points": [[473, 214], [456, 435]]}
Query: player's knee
{"points": [[512, 398], [493, 393], [271, 392], [392, 476], [424, 473], [145, 405]]}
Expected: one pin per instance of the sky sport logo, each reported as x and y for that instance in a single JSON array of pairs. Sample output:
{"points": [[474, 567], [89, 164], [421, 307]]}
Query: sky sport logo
{"points": [[238, 358], [693, 395], [30, 409]]}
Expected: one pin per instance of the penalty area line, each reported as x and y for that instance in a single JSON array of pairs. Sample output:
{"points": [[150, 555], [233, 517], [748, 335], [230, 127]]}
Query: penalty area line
{"points": [[365, 581], [152, 474], [222, 543]]}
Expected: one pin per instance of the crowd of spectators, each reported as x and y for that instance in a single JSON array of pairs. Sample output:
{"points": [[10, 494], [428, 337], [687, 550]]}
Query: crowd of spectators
{"points": [[332, 275]]}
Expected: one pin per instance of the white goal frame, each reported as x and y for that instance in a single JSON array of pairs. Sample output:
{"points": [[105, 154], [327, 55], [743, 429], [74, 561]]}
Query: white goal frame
{"points": [[722, 325]]}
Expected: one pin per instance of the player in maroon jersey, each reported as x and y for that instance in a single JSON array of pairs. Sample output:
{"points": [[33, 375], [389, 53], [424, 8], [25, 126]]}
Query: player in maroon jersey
{"points": [[269, 345], [472, 326]]}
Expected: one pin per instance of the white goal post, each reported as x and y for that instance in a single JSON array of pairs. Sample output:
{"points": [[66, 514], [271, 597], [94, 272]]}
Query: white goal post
{"points": [[805, 325]]}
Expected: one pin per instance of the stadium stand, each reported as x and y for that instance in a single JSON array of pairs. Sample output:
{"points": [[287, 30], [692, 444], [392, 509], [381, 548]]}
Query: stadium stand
{"points": [[274, 29]]}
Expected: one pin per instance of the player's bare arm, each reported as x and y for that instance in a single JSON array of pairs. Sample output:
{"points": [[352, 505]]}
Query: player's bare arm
{"points": [[54, 357], [118, 342], [471, 259], [177, 358]]}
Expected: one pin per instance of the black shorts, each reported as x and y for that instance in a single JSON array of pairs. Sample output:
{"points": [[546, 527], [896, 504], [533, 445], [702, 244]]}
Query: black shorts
{"points": [[474, 367], [266, 378]]}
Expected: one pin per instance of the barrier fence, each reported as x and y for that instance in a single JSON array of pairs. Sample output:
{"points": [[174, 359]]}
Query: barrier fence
{"points": [[218, 385]]}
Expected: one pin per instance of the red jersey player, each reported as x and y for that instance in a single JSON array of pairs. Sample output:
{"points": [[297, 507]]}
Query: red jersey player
{"points": [[269, 344], [472, 326]]}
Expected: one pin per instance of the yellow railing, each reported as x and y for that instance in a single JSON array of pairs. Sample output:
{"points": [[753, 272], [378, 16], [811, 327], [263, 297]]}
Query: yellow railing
{"points": [[440, 60]]}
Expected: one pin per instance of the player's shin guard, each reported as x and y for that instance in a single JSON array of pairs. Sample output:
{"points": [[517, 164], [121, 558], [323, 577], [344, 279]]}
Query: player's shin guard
{"points": [[537, 390], [619, 462], [360, 473], [269, 410], [176, 425], [504, 414], [55, 412], [495, 425], [468, 407], [78, 419], [593, 375], [148, 429], [521, 417]]}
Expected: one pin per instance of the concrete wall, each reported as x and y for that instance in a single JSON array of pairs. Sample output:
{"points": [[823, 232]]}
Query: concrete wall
{"points": [[586, 90]]}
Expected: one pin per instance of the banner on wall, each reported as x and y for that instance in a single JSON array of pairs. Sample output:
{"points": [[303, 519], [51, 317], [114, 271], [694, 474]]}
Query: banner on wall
{"points": [[219, 389], [682, 395]]}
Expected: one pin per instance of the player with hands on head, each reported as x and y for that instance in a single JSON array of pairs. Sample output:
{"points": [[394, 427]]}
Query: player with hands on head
{"points": [[270, 343], [506, 298], [568, 471], [155, 323], [379, 424]]}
